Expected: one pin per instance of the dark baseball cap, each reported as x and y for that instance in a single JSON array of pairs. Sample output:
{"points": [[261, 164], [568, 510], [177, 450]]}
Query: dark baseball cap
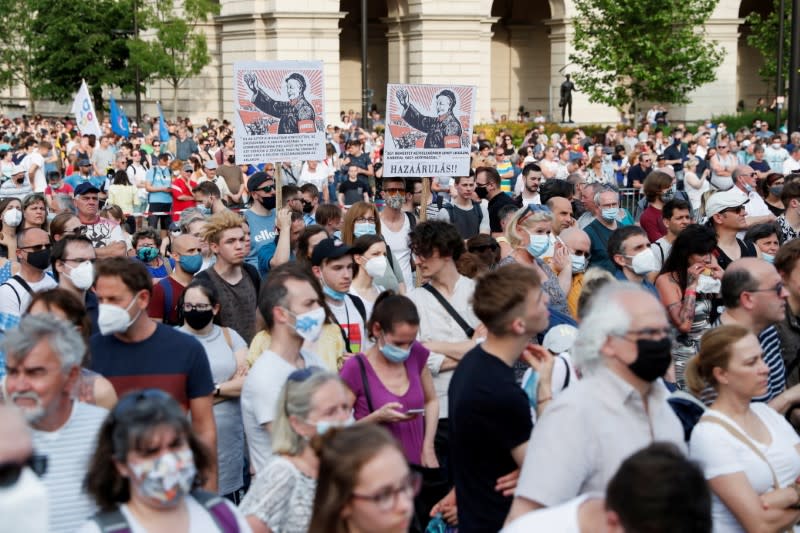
{"points": [[84, 162], [85, 187], [329, 249], [257, 180]]}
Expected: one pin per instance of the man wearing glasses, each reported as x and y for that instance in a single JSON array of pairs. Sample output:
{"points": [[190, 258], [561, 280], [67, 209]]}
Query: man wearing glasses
{"points": [[261, 215], [33, 254], [73, 259], [756, 210], [755, 298]]}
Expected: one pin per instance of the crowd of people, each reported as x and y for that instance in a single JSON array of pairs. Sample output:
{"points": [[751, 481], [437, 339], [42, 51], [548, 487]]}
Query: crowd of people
{"points": [[189, 344]]}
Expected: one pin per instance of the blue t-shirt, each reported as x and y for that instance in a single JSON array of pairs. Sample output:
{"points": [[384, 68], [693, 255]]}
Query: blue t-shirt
{"points": [[168, 360], [159, 177], [262, 232], [76, 179], [265, 255]]}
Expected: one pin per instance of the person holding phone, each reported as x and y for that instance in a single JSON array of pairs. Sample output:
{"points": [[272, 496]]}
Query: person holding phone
{"points": [[391, 385]]}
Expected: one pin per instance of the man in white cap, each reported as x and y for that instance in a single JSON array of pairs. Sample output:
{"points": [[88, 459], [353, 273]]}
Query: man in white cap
{"points": [[18, 186], [726, 216], [210, 171], [756, 210]]}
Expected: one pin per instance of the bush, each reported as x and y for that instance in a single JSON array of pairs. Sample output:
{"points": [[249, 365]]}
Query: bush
{"points": [[739, 120], [518, 130]]}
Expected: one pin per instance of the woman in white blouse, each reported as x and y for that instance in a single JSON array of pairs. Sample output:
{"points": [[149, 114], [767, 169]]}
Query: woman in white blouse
{"points": [[749, 452]]}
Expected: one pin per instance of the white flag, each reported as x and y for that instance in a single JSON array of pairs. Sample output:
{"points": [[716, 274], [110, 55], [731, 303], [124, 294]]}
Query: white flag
{"points": [[83, 109]]}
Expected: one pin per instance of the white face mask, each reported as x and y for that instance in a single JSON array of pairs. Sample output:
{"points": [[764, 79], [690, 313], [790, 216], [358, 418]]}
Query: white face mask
{"points": [[578, 263], [644, 262], [376, 266], [82, 276], [309, 324], [114, 319], [12, 217], [708, 285], [24, 503]]}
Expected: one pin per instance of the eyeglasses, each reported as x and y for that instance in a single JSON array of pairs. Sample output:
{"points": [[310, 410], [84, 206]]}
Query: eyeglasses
{"points": [[36, 247], [80, 230], [738, 209], [386, 499], [722, 146], [777, 289], [580, 253], [80, 259], [197, 307], [10, 472], [267, 189], [361, 220], [649, 333]]}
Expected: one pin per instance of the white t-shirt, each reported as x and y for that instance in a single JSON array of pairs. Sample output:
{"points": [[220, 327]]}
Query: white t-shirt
{"points": [[398, 242], [351, 322], [790, 166], [720, 453], [695, 195], [200, 520], [38, 180], [559, 519], [260, 392], [14, 298], [319, 177], [661, 249]]}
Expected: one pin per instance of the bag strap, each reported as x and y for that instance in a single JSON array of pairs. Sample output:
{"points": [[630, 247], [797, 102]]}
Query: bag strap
{"points": [[738, 435], [223, 516], [567, 377], [365, 383], [358, 303], [450, 310], [226, 332], [23, 283], [112, 521]]}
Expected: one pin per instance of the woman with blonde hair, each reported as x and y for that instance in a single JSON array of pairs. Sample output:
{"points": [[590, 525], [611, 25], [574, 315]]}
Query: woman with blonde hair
{"points": [[281, 499], [528, 234], [750, 453], [362, 219], [696, 186]]}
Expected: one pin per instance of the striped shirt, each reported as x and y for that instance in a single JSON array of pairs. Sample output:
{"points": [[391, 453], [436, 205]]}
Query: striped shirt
{"points": [[68, 450]]}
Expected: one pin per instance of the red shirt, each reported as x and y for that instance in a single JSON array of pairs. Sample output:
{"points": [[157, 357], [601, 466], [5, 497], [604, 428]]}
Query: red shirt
{"points": [[65, 188], [652, 222], [181, 188]]}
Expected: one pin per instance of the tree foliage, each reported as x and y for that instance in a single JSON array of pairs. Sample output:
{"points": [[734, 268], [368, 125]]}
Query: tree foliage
{"points": [[631, 51], [179, 49], [17, 47], [764, 38]]}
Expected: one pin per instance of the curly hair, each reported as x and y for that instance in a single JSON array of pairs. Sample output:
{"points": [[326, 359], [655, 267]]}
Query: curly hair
{"points": [[436, 235]]}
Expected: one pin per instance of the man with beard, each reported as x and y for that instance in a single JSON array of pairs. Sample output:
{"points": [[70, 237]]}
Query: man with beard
{"points": [[43, 357], [527, 189]]}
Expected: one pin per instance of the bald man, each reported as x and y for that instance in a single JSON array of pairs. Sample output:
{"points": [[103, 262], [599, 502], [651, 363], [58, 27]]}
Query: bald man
{"points": [[755, 298], [167, 291], [579, 244], [33, 254], [23, 503], [756, 210]]}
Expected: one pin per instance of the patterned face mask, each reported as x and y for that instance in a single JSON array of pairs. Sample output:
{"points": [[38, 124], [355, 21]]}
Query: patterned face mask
{"points": [[167, 478]]}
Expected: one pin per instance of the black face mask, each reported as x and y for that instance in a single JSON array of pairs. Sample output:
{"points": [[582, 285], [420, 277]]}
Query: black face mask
{"points": [[307, 207], [482, 192], [653, 359], [268, 202], [39, 260], [198, 319]]}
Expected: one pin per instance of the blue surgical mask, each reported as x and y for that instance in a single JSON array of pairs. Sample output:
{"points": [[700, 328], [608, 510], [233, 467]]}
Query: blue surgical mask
{"points": [[323, 426], [578, 263], [363, 228], [538, 244], [191, 264], [337, 235], [609, 213], [776, 190], [333, 294], [395, 354], [769, 258], [206, 211], [748, 188], [667, 196]]}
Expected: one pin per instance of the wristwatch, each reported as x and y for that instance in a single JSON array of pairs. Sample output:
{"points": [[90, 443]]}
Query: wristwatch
{"points": [[217, 391]]}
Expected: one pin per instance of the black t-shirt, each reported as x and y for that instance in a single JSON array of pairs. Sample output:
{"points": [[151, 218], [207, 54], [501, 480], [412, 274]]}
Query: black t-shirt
{"points": [[761, 166], [637, 173], [353, 191], [495, 204], [489, 416], [673, 152], [747, 248]]}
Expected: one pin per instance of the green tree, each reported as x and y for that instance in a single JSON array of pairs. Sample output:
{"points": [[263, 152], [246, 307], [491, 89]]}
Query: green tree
{"points": [[764, 38], [82, 40], [179, 49], [17, 47], [632, 51]]}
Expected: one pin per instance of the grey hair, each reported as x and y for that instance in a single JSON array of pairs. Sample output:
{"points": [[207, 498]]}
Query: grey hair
{"points": [[604, 189], [63, 337], [296, 400], [606, 316], [188, 217]]}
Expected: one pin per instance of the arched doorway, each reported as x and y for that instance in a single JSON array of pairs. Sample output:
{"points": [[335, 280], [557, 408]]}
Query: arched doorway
{"points": [[520, 72]]}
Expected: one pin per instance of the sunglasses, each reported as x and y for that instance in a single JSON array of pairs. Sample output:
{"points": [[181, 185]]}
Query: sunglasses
{"points": [[11, 471], [267, 189], [36, 247], [777, 289], [738, 209]]}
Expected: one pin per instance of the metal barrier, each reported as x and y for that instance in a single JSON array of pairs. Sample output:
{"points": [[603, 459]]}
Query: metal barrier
{"points": [[628, 200]]}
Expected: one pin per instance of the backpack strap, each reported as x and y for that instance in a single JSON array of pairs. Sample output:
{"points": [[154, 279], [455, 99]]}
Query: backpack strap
{"points": [[365, 383], [359, 305], [215, 505], [112, 521], [253, 273], [412, 220], [477, 207], [468, 330], [23, 283], [167, 287], [567, 377]]}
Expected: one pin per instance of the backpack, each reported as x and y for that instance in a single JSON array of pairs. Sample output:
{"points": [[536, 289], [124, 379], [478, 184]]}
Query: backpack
{"points": [[460, 226], [115, 522]]}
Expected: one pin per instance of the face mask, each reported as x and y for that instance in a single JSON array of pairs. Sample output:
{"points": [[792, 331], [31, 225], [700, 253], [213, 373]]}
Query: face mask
{"points": [[147, 253], [82, 276], [644, 262], [191, 264], [482, 192], [708, 285], [578, 263], [166, 479], [363, 228], [722, 183], [667, 196], [776, 190], [609, 213], [653, 360], [205, 211], [198, 319], [115, 319], [39, 260], [335, 295], [268, 202], [309, 324], [677, 140], [769, 258], [24, 503], [538, 245], [395, 201], [748, 188], [308, 207], [12, 217], [323, 426], [776, 146], [376, 267], [395, 354]]}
